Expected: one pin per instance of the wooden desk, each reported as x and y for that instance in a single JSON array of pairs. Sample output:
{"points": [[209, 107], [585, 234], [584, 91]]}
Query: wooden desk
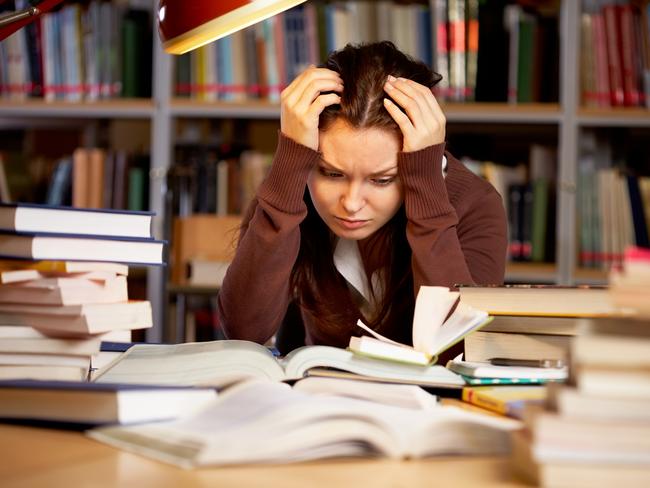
{"points": [[33, 457]]}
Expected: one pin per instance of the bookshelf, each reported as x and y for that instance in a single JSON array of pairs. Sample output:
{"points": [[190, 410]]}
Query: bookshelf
{"points": [[567, 120]]}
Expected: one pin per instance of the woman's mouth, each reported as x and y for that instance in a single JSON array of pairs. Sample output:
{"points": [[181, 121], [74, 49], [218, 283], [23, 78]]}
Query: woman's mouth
{"points": [[351, 224]]}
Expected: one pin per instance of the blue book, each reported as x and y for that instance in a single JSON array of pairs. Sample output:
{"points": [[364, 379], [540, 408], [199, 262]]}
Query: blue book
{"points": [[59, 190], [38, 218], [79, 404]]}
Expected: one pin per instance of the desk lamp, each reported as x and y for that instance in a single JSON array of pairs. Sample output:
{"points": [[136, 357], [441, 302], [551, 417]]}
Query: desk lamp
{"points": [[183, 24]]}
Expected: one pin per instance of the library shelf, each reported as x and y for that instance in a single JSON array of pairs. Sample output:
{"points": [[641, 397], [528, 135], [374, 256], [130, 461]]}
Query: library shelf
{"points": [[614, 117], [119, 108]]}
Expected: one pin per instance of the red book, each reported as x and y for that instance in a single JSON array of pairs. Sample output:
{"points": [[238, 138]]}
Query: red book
{"points": [[613, 42], [629, 51], [600, 59]]}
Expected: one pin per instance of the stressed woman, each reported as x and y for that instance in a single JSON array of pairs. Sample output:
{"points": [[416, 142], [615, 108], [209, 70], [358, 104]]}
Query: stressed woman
{"points": [[361, 207]]}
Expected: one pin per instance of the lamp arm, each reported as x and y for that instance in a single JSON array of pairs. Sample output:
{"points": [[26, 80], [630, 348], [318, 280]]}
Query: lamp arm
{"points": [[12, 17], [12, 21]]}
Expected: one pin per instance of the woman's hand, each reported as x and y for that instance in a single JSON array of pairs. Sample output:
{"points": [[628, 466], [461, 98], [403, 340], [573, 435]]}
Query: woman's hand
{"points": [[302, 103], [418, 116]]}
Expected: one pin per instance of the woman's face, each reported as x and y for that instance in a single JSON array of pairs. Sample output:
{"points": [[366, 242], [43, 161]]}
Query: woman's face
{"points": [[355, 186]]}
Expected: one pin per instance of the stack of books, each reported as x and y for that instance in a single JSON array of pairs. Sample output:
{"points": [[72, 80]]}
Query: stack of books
{"points": [[595, 431], [533, 322], [54, 313]]}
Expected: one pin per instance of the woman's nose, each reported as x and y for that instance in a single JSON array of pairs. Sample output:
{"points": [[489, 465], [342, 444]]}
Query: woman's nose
{"points": [[353, 200]]}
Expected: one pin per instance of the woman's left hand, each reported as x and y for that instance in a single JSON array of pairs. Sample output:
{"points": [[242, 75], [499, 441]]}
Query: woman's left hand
{"points": [[418, 116]]}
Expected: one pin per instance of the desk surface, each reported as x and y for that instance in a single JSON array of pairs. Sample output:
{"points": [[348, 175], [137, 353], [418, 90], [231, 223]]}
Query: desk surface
{"points": [[35, 457]]}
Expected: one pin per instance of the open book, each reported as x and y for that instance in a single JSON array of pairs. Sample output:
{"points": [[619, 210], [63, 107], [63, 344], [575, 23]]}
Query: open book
{"points": [[221, 363], [263, 422], [434, 329]]}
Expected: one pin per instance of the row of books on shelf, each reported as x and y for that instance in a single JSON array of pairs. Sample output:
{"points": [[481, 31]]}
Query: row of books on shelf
{"points": [[485, 52], [528, 194], [87, 178], [615, 54], [83, 51], [221, 180], [277, 49], [613, 207]]}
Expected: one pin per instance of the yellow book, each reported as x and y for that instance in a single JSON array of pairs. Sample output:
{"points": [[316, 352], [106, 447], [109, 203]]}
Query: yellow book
{"points": [[506, 400]]}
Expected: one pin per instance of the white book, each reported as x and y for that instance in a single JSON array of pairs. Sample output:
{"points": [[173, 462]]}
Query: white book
{"points": [[258, 422], [221, 363], [434, 329]]}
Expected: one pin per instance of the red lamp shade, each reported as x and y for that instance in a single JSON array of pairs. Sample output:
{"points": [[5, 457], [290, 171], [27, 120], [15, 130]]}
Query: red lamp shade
{"points": [[184, 25]]}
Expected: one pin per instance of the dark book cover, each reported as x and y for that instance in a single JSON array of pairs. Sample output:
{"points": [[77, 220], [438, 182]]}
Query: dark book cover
{"points": [[492, 59]]}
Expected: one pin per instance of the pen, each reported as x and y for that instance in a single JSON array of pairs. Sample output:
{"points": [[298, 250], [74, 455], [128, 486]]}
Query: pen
{"points": [[528, 363]]}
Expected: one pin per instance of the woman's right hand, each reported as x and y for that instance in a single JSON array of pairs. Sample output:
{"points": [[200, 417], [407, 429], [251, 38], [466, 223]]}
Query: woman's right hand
{"points": [[302, 103]]}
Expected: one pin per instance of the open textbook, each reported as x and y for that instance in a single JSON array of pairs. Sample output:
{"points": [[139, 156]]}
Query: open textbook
{"points": [[264, 422], [435, 329], [220, 363]]}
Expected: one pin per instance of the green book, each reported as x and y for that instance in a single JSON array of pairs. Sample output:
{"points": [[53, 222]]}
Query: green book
{"points": [[526, 58]]}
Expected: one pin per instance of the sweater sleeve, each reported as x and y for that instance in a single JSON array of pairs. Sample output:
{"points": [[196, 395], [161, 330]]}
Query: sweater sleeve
{"points": [[255, 293], [446, 249]]}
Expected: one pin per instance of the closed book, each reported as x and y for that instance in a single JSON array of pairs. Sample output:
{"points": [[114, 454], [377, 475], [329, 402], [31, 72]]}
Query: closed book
{"points": [[569, 402], [506, 400], [565, 472], [86, 404], [28, 217], [76, 293], [95, 183], [483, 346], [82, 247], [482, 369], [79, 320], [522, 324], [15, 271], [526, 52], [23, 339], [611, 13], [557, 438], [541, 300], [47, 372]]}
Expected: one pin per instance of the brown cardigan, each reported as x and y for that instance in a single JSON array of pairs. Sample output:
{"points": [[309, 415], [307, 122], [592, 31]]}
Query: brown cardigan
{"points": [[456, 228]]}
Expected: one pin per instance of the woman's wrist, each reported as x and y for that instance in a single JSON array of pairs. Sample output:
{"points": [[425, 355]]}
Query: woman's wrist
{"points": [[285, 183]]}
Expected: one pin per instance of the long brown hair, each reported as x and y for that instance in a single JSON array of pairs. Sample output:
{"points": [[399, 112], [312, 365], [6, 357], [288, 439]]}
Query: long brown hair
{"points": [[320, 289]]}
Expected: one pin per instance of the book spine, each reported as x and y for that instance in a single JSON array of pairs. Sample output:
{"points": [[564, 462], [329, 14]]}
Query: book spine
{"points": [[442, 47], [475, 397], [629, 54], [613, 42]]}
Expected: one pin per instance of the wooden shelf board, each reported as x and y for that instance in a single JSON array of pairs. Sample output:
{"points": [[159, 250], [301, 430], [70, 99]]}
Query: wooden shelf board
{"points": [[614, 117], [240, 110], [547, 273], [535, 113], [119, 108]]}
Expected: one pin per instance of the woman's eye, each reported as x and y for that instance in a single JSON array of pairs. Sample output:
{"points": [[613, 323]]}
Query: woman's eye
{"points": [[383, 181], [330, 174]]}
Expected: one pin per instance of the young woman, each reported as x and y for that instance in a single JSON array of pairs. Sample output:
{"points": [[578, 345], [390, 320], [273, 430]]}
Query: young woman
{"points": [[361, 207]]}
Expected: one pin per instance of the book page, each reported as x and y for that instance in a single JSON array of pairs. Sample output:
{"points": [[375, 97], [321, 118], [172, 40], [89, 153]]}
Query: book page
{"points": [[216, 363], [405, 396]]}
